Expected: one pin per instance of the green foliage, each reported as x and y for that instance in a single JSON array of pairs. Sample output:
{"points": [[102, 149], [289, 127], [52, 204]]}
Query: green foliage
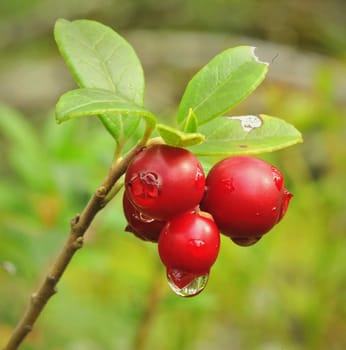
{"points": [[191, 122], [178, 138], [100, 58], [25, 151], [110, 74], [246, 135], [224, 82], [86, 102]]}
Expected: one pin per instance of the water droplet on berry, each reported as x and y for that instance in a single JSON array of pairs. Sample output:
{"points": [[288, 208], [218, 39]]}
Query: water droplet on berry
{"points": [[145, 218], [228, 184], [186, 284], [144, 187], [197, 243], [277, 177], [199, 178], [286, 200]]}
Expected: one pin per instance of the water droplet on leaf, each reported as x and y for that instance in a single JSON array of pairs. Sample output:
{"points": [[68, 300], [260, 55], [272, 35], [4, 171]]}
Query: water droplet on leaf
{"points": [[249, 122], [186, 284]]}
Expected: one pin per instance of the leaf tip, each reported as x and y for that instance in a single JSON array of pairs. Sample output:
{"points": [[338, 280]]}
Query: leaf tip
{"points": [[59, 22], [256, 58]]}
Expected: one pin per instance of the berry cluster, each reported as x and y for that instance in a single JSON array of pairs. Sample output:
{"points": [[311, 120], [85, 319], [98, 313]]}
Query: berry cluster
{"points": [[168, 199]]}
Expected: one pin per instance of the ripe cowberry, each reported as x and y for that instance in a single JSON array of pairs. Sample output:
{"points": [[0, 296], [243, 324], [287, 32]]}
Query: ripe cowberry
{"points": [[189, 242], [142, 226], [163, 181], [246, 196], [188, 246]]}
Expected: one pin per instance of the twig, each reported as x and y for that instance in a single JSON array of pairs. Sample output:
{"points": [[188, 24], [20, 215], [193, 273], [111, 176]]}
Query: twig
{"points": [[79, 225]]}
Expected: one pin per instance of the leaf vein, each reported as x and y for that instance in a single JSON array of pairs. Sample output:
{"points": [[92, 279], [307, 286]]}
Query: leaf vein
{"points": [[92, 47], [218, 87]]}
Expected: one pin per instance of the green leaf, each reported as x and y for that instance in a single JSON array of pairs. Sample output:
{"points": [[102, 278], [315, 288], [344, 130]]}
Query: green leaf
{"points": [[120, 126], [226, 136], [191, 123], [87, 102], [178, 138], [220, 85], [100, 58]]}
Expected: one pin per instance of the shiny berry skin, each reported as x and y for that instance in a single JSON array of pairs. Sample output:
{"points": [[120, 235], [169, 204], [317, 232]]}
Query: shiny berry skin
{"points": [[141, 226], [245, 241], [246, 196], [189, 243], [163, 181]]}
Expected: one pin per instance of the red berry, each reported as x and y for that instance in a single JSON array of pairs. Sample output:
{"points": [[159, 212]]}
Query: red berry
{"points": [[163, 181], [245, 241], [246, 197], [140, 225], [189, 243]]}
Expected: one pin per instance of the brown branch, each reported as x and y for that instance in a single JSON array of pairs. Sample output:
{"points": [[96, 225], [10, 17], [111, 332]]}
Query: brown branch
{"points": [[79, 225]]}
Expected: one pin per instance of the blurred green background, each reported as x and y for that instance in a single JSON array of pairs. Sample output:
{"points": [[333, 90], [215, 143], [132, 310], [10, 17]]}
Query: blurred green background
{"points": [[286, 292]]}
